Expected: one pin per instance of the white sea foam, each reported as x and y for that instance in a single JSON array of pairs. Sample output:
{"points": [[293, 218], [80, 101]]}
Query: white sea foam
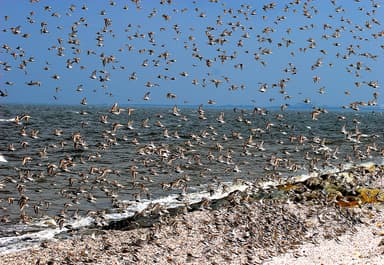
{"points": [[174, 201], [7, 120], [16, 243], [2, 159]]}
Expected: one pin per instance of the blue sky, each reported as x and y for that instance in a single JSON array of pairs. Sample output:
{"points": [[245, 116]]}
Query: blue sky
{"points": [[291, 44]]}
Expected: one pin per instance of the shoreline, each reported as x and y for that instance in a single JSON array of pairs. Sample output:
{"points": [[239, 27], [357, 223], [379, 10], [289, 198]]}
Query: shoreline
{"points": [[296, 219], [224, 236]]}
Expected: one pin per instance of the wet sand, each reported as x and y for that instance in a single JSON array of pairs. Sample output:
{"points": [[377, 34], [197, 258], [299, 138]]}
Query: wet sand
{"points": [[289, 229]]}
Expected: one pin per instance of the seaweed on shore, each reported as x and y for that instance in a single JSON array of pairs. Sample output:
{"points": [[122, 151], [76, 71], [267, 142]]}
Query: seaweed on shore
{"points": [[351, 188]]}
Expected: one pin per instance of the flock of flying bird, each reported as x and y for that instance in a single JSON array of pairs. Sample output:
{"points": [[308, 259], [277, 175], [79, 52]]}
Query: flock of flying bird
{"points": [[149, 56]]}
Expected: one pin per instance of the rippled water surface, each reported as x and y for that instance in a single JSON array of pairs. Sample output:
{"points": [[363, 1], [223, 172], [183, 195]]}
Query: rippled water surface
{"points": [[162, 153]]}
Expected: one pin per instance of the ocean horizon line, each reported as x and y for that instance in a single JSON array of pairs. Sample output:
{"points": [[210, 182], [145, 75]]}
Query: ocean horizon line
{"points": [[299, 106]]}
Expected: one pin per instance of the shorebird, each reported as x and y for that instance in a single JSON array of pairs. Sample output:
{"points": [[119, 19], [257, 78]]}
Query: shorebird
{"points": [[171, 95], [115, 109], [130, 111], [57, 132], [146, 96], [34, 133], [220, 119], [315, 113], [176, 111], [11, 147]]}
